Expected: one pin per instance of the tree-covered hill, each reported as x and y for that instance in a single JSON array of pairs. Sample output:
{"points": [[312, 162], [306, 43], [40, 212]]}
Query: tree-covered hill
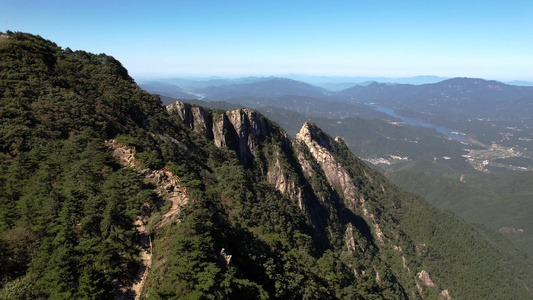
{"points": [[472, 97], [269, 87], [84, 152], [66, 206]]}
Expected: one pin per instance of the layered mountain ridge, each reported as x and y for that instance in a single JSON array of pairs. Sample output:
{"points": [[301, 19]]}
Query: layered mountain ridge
{"points": [[314, 152], [267, 217]]}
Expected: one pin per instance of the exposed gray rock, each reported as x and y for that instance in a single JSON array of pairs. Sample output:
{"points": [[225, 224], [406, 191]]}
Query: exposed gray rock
{"points": [[224, 259], [183, 111], [426, 280], [241, 130], [284, 184], [335, 173], [203, 122], [445, 295], [146, 172]]}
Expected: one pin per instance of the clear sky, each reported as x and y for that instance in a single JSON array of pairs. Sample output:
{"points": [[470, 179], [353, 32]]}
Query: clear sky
{"points": [[487, 39]]}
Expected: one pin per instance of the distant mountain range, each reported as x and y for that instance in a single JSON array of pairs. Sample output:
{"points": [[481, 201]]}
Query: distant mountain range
{"points": [[467, 97], [337, 83], [271, 87], [489, 111], [331, 83], [165, 89], [203, 82], [520, 83]]}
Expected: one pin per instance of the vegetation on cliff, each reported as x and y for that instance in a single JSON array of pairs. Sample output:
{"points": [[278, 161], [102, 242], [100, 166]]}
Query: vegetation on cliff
{"points": [[266, 217]]}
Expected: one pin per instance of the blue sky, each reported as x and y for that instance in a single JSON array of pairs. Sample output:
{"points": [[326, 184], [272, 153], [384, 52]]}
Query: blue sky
{"points": [[487, 39]]}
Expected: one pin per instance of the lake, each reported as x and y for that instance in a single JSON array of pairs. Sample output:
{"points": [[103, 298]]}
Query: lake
{"points": [[451, 134]]}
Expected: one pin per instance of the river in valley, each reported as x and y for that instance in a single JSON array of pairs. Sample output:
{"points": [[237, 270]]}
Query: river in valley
{"points": [[454, 135]]}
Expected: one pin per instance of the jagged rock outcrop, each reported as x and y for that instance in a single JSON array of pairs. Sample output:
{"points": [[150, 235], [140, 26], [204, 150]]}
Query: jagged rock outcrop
{"points": [[246, 131], [224, 259], [426, 280], [350, 238], [124, 154], [183, 111], [279, 178], [242, 130], [445, 295], [335, 173], [194, 117]]}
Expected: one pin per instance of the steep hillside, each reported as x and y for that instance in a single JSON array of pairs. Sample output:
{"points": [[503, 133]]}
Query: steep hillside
{"points": [[66, 206], [361, 200], [220, 204], [417, 160], [501, 201]]}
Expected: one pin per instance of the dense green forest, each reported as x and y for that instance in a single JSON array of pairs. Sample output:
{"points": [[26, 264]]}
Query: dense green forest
{"points": [[501, 200], [67, 207], [264, 217]]}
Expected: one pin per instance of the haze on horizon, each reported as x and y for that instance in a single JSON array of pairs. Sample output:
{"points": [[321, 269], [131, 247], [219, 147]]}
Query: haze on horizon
{"points": [[491, 40]]}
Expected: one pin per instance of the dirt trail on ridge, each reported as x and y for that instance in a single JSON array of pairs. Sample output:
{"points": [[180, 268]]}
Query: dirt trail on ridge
{"points": [[167, 186]]}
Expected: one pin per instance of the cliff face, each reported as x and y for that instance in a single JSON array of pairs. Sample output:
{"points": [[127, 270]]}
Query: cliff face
{"points": [[245, 132], [320, 147], [308, 171], [195, 118], [242, 130], [336, 175]]}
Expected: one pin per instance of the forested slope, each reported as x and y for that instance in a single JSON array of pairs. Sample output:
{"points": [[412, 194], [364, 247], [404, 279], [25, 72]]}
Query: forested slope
{"points": [[266, 216]]}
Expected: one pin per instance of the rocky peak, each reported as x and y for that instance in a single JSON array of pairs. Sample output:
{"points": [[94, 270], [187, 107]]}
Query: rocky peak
{"points": [[194, 117], [183, 111], [309, 133], [426, 280], [320, 147], [248, 121], [246, 129], [242, 130]]}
